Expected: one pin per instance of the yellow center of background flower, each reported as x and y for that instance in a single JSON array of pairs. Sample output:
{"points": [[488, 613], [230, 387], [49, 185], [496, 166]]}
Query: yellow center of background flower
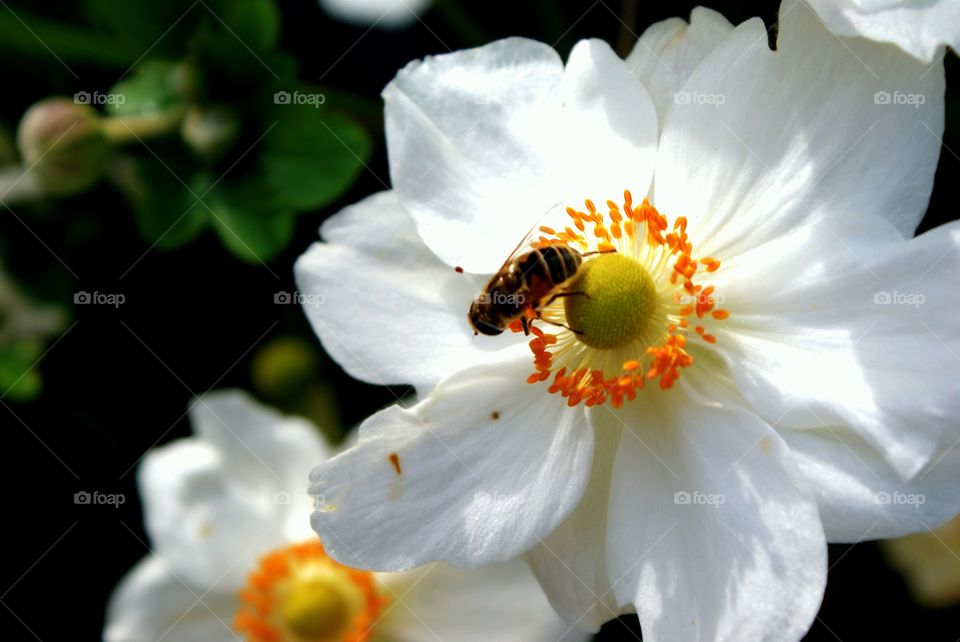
{"points": [[299, 594]]}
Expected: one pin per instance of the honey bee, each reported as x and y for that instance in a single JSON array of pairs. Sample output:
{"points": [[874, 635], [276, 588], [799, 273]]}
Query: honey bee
{"points": [[531, 278]]}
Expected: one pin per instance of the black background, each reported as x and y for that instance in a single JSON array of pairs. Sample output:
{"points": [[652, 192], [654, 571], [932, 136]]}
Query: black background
{"points": [[108, 399]]}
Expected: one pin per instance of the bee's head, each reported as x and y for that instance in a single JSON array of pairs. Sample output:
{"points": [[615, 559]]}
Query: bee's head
{"points": [[480, 321]]}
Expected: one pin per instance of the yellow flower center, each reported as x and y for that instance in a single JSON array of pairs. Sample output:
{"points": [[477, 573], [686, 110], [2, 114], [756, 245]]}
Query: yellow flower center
{"points": [[299, 594], [628, 311], [619, 298]]}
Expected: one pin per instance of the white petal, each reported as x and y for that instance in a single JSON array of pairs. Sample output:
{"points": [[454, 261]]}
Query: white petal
{"points": [[384, 307], [708, 534], [151, 604], [668, 52], [272, 452], [501, 602], [769, 140], [386, 14], [215, 502], [920, 28], [861, 334], [476, 473], [861, 497], [571, 562], [486, 143]]}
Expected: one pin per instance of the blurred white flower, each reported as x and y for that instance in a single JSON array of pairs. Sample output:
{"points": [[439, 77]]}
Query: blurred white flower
{"points": [[387, 14], [234, 557], [919, 27], [930, 563], [763, 364]]}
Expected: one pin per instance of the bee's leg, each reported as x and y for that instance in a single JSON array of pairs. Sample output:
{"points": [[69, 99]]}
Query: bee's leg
{"points": [[557, 323], [526, 325], [559, 295], [599, 252]]}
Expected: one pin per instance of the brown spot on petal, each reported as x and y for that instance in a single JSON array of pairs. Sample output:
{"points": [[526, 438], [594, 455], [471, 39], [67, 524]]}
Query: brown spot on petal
{"points": [[458, 270], [494, 415], [395, 460], [766, 444]]}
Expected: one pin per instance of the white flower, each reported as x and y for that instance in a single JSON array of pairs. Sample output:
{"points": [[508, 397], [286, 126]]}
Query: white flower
{"points": [[779, 409], [921, 28], [225, 514], [387, 14]]}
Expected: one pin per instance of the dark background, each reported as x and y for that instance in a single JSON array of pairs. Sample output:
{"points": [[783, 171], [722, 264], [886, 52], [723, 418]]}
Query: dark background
{"points": [[108, 398]]}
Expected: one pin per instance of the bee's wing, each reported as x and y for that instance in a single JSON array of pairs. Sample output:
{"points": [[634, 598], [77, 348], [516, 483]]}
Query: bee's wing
{"points": [[532, 236]]}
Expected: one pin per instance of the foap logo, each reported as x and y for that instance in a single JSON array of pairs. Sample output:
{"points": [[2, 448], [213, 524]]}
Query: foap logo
{"points": [[291, 498], [298, 298], [696, 498], [99, 298], [98, 98], [96, 498], [299, 98], [698, 98], [896, 498], [898, 98], [500, 298], [504, 100], [698, 298], [884, 297]]}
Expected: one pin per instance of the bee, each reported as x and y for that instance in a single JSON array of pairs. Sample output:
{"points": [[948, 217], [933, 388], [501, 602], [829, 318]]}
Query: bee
{"points": [[530, 279]]}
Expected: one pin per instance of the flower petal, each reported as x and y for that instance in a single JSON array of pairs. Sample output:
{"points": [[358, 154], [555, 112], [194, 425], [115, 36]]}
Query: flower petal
{"points": [[501, 602], [386, 14], [820, 130], [215, 502], [384, 307], [151, 604], [486, 143], [668, 52], [859, 335], [475, 474], [920, 29], [708, 534], [570, 562], [861, 497]]}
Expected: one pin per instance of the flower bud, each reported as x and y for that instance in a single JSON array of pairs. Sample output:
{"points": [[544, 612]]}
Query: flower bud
{"points": [[62, 145]]}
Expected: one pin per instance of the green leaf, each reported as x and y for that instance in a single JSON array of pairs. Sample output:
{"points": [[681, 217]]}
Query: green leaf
{"points": [[163, 27], [255, 23], [19, 380], [311, 155], [168, 214], [247, 223], [72, 44], [151, 89]]}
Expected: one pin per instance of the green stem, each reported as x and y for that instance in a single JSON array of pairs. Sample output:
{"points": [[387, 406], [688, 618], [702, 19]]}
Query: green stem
{"points": [[125, 129]]}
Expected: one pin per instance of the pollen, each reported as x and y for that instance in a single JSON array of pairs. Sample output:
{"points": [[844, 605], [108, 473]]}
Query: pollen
{"points": [[628, 316], [299, 594]]}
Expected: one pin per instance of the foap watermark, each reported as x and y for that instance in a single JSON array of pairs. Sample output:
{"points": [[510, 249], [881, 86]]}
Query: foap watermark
{"points": [[98, 98], [696, 498], [884, 297], [299, 98], [114, 299], [698, 298], [96, 498], [298, 298], [291, 498], [896, 498], [698, 98], [501, 298], [898, 98]]}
